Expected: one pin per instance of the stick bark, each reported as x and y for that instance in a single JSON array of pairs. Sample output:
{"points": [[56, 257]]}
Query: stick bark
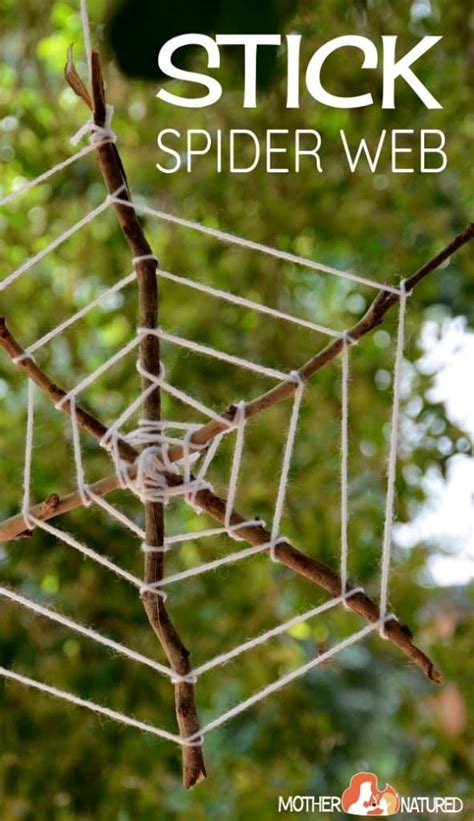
{"points": [[320, 574], [114, 175], [296, 560], [371, 320]]}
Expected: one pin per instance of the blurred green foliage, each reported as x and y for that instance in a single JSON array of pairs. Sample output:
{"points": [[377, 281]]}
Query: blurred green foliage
{"points": [[136, 38], [369, 709]]}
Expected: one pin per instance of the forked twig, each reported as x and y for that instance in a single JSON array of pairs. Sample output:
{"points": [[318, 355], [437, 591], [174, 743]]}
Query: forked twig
{"points": [[288, 555], [114, 176]]}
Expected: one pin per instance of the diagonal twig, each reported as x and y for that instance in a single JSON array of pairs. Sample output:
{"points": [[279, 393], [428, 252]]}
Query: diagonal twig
{"points": [[371, 320], [114, 175], [296, 560], [318, 573]]}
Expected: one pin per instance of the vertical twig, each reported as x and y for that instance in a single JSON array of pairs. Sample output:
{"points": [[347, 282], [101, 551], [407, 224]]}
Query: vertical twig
{"points": [[114, 175]]}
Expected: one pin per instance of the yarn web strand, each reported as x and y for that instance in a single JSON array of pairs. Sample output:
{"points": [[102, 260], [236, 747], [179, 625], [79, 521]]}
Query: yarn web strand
{"points": [[155, 477], [148, 481]]}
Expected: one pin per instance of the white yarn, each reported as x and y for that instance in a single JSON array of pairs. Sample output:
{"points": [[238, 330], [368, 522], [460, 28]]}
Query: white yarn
{"points": [[231, 558], [213, 531], [49, 173], [116, 514], [233, 239], [55, 244], [186, 460], [179, 394], [153, 548], [245, 303], [88, 632], [88, 380], [98, 134], [124, 417], [156, 433], [288, 451], [145, 258], [59, 329], [140, 438], [224, 658], [167, 423], [215, 354], [76, 439], [28, 455], [239, 421], [65, 537], [209, 456], [86, 32], [150, 482], [121, 469], [392, 459], [344, 465], [281, 682], [91, 705]]}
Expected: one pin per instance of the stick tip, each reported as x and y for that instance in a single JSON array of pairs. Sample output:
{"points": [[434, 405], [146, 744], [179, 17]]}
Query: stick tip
{"points": [[435, 675], [192, 779]]}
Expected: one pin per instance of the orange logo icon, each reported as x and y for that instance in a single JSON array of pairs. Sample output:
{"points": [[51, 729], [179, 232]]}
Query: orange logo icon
{"points": [[363, 797]]}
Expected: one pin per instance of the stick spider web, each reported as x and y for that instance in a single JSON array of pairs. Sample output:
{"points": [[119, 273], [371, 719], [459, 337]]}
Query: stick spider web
{"points": [[159, 459]]}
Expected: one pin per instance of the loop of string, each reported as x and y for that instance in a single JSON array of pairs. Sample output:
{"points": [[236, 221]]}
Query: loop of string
{"points": [[144, 258], [346, 595], [98, 134], [153, 548], [155, 461], [152, 476]]}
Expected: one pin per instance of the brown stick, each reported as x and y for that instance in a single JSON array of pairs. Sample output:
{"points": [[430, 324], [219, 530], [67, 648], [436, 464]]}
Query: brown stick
{"points": [[322, 576], [298, 561], [15, 526], [371, 319], [86, 420], [114, 176], [302, 564]]}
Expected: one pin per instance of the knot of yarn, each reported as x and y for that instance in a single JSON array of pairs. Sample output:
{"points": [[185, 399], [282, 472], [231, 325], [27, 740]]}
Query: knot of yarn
{"points": [[98, 133], [150, 483], [153, 478]]}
